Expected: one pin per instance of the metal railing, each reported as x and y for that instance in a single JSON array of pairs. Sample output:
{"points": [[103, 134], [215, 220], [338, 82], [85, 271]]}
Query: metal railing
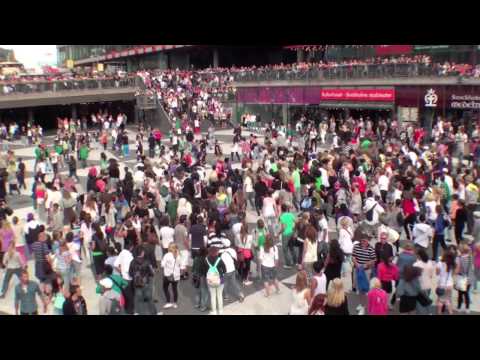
{"points": [[344, 72], [67, 85]]}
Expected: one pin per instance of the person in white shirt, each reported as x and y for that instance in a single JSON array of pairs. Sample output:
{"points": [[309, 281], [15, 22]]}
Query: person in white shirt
{"points": [[427, 276], [372, 205], [229, 258], [383, 184], [166, 235], [323, 226], [171, 274], [345, 236], [318, 283], [269, 262], [122, 263], [422, 233]]}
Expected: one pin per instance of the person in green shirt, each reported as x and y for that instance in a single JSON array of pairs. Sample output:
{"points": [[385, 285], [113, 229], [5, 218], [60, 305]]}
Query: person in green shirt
{"points": [[119, 283], [297, 185], [365, 144], [38, 155], [84, 151], [171, 208], [274, 168], [259, 241], [287, 223]]}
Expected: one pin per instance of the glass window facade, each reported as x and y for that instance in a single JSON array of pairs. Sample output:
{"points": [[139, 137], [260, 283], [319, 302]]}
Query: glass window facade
{"points": [[80, 52]]}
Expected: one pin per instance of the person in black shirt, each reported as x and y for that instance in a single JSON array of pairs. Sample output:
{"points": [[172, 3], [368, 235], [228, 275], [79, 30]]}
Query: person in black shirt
{"points": [[261, 190], [382, 249], [142, 273], [151, 145], [198, 232], [75, 303]]}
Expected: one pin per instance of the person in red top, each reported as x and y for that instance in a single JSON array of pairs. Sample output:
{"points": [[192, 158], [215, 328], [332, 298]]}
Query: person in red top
{"points": [[409, 213], [387, 272], [377, 299], [361, 184]]}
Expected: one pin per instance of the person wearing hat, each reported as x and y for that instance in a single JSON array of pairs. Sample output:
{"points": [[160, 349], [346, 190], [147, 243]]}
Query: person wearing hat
{"points": [[109, 302]]}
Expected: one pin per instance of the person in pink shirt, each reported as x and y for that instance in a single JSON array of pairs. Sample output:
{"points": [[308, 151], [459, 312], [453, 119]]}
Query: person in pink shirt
{"points": [[387, 273], [377, 299]]}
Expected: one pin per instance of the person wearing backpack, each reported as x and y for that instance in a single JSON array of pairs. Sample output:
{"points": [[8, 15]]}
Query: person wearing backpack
{"points": [[213, 268], [110, 301], [142, 274], [137, 271]]}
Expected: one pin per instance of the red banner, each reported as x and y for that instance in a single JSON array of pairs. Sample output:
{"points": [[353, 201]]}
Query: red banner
{"points": [[382, 50], [368, 95]]}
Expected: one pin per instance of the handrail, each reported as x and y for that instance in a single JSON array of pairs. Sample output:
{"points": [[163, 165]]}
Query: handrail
{"points": [[344, 72], [67, 85]]}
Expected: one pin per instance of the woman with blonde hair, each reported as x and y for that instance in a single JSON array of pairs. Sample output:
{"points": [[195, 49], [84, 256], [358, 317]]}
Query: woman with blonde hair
{"points": [[337, 303], [171, 275], [6, 236], [14, 265], [91, 208], [302, 295], [377, 299]]}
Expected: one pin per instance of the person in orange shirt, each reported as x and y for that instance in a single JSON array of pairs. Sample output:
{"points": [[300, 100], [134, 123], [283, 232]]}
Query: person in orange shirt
{"points": [[453, 207]]}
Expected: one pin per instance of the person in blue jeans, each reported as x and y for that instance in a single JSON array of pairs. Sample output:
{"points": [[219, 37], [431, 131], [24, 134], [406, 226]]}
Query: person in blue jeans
{"points": [[439, 232], [202, 295]]}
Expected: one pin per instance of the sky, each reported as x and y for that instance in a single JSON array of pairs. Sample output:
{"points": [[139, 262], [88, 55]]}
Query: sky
{"points": [[34, 56]]}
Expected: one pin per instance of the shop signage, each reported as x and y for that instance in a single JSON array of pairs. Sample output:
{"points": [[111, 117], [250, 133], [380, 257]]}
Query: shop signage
{"points": [[382, 50], [431, 99], [360, 95], [465, 101]]}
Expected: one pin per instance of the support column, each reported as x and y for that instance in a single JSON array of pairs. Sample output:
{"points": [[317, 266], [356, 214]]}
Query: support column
{"points": [[300, 55], [429, 115], [215, 58], [30, 116], [74, 111], [285, 114]]}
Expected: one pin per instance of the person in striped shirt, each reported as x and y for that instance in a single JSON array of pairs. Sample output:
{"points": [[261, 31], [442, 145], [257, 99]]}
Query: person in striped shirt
{"points": [[363, 256]]}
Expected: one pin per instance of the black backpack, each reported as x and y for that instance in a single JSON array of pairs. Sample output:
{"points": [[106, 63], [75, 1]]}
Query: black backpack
{"points": [[32, 235], [400, 219], [139, 280], [369, 213]]}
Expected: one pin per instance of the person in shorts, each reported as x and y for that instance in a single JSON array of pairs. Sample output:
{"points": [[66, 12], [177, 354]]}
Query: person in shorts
{"points": [[269, 262]]}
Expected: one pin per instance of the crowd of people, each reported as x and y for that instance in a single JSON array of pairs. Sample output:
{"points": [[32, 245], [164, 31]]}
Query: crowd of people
{"points": [[439, 69], [352, 206], [190, 96], [404, 211]]}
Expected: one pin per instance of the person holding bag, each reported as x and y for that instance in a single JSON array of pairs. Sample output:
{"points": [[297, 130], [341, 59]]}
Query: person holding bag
{"points": [[171, 275], [464, 277], [245, 254], [445, 271]]}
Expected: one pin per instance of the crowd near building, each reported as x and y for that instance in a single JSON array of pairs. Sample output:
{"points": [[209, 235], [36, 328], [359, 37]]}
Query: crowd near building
{"points": [[182, 178]]}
